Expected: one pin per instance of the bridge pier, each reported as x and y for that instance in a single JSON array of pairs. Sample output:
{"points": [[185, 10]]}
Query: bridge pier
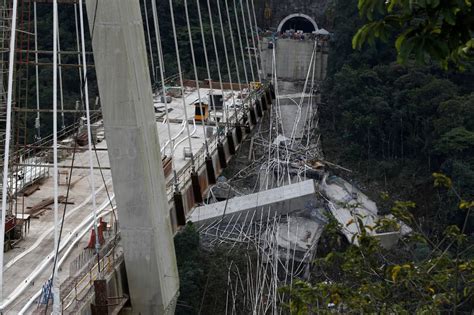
{"points": [[134, 151]]}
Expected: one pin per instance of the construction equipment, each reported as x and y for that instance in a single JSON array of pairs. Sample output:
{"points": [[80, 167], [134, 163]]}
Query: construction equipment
{"points": [[201, 112], [256, 85]]}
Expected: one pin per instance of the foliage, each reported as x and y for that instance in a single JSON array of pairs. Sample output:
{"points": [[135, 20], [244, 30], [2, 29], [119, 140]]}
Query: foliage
{"points": [[203, 273], [457, 140], [168, 44], [371, 279], [404, 129], [440, 30], [400, 112], [400, 124]]}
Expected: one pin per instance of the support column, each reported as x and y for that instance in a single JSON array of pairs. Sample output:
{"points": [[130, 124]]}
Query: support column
{"points": [[134, 152], [101, 298], [222, 157]]}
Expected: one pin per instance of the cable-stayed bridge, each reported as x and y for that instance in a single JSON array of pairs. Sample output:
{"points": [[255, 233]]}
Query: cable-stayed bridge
{"points": [[96, 181]]}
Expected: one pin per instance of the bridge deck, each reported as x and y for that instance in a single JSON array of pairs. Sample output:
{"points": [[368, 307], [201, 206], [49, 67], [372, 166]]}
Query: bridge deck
{"points": [[23, 261]]}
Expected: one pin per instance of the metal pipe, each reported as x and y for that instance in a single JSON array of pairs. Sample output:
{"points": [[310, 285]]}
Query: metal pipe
{"points": [[43, 110], [50, 52], [37, 122], [89, 131], [64, 65], [7, 137], [45, 147], [56, 284], [64, 166]]}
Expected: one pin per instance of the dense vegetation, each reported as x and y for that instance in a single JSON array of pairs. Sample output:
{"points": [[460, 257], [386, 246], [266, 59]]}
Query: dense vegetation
{"points": [[71, 86], [407, 132], [396, 125], [204, 274], [427, 30]]}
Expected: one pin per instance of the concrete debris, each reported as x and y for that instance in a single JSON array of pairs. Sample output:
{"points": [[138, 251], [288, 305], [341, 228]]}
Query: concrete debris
{"points": [[298, 234], [282, 140], [321, 31], [301, 231], [349, 206]]}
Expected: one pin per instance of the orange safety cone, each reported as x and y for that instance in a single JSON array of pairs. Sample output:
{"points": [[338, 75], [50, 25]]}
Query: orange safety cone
{"points": [[100, 230]]}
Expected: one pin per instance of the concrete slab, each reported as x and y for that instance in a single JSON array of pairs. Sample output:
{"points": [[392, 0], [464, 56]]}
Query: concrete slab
{"points": [[299, 235], [280, 200], [348, 205]]}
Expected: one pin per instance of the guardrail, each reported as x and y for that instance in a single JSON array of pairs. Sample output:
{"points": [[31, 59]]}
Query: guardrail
{"points": [[184, 175], [81, 285]]}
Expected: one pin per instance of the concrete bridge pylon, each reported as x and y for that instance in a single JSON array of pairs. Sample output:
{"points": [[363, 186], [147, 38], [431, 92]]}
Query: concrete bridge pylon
{"points": [[134, 151]]}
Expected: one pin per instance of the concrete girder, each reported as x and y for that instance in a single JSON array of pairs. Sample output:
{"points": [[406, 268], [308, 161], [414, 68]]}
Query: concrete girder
{"points": [[281, 200]]}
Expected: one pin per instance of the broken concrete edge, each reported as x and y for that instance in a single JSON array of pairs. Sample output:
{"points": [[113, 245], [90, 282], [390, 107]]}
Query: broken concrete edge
{"points": [[281, 200], [297, 197]]}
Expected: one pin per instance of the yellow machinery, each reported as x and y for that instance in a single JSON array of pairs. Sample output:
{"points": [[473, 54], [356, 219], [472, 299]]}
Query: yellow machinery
{"points": [[256, 85], [201, 116]]}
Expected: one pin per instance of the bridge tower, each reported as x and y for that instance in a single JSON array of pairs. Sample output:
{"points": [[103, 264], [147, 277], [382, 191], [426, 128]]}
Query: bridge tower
{"points": [[124, 82]]}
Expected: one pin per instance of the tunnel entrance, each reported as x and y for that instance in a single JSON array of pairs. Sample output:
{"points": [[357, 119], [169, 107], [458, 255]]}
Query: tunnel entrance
{"points": [[298, 22]]}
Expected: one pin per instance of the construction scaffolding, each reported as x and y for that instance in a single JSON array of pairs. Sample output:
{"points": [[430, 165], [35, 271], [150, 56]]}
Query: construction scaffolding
{"points": [[5, 13]]}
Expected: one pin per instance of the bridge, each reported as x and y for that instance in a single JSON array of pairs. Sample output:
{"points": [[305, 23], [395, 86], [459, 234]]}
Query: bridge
{"points": [[95, 220]]}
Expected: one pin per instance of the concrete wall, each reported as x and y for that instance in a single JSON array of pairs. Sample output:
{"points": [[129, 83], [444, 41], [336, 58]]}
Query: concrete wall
{"points": [[293, 58]]}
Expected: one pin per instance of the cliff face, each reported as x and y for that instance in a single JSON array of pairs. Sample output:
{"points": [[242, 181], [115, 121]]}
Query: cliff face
{"points": [[271, 12]]}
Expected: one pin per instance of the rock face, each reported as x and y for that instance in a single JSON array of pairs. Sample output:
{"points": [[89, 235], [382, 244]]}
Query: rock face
{"points": [[271, 12]]}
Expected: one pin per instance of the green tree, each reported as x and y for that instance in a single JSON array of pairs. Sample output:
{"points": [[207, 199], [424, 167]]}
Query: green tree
{"points": [[420, 277], [425, 29]]}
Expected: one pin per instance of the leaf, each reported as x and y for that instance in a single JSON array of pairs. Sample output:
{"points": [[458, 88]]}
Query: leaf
{"points": [[357, 40], [395, 271], [401, 212], [328, 257], [336, 298], [400, 39], [442, 180], [466, 205], [384, 195], [406, 48], [467, 291], [392, 4]]}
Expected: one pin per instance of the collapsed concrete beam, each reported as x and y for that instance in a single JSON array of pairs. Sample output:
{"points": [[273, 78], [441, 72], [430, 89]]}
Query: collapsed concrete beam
{"points": [[280, 200]]}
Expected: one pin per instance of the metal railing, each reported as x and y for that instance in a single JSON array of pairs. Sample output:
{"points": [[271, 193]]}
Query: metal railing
{"points": [[34, 159], [81, 285]]}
